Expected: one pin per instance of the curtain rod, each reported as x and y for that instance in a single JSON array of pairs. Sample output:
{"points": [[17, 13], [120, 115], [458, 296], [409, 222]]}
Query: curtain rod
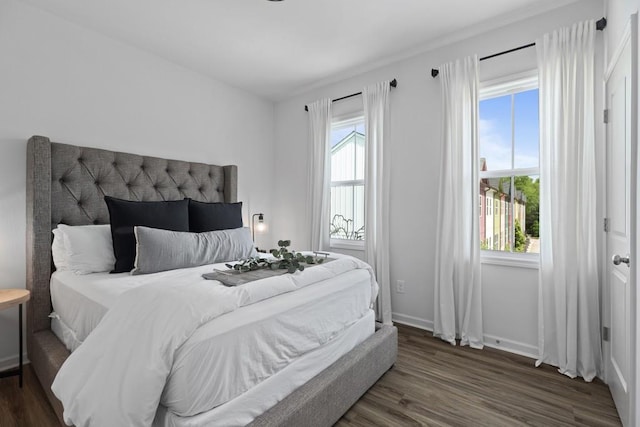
{"points": [[392, 83], [600, 25]]}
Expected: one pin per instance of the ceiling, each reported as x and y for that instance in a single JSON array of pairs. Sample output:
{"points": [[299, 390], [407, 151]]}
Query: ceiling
{"points": [[276, 49]]}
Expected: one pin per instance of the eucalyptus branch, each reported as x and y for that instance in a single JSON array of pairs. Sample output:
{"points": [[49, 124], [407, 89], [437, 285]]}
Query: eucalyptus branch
{"points": [[284, 260]]}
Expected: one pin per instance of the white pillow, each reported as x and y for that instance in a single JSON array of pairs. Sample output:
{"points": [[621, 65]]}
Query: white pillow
{"points": [[59, 251], [88, 248]]}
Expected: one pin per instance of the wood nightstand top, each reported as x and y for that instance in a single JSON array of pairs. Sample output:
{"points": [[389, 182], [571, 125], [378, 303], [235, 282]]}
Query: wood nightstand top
{"points": [[11, 297]]}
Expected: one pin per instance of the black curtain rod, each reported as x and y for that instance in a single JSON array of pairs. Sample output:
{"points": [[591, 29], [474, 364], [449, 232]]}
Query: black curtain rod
{"points": [[600, 25], [392, 83]]}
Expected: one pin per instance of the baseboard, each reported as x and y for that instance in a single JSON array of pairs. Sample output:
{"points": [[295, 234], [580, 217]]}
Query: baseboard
{"points": [[492, 341], [416, 322], [511, 346], [12, 362]]}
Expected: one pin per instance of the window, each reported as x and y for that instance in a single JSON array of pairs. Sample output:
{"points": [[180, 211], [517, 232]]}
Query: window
{"points": [[347, 181], [509, 165]]}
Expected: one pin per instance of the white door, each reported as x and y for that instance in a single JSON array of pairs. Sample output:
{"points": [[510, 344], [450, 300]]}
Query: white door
{"points": [[619, 310]]}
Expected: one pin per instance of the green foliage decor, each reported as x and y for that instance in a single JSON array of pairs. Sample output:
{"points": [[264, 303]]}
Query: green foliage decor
{"points": [[284, 260]]}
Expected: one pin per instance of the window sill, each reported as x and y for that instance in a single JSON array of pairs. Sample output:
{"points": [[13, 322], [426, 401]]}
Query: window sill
{"points": [[510, 260], [352, 245]]}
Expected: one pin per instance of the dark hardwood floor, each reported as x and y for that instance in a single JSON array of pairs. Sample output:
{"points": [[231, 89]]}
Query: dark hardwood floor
{"points": [[26, 407], [432, 384], [436, 384]]}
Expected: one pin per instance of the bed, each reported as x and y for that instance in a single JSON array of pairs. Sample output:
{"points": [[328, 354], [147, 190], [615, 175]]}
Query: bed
{"points": [[66, 184]]}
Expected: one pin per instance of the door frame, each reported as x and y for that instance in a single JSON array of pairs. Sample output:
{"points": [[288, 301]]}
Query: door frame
{"points": [[630, 35], [634, 273]]}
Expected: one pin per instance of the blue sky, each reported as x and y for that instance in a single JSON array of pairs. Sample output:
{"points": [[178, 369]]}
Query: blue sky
{"points": [[339, 133], [495, 130]]}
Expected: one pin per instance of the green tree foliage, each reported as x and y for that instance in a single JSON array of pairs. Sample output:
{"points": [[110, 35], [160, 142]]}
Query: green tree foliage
{"points": [[531, 189], [520, 238]]}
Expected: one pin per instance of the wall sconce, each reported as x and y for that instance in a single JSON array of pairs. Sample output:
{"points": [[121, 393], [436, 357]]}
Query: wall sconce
{"points": [[260, 227]]}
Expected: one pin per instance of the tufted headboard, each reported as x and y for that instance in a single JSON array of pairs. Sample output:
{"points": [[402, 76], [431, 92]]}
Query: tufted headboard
{"points": [[67, 184]]}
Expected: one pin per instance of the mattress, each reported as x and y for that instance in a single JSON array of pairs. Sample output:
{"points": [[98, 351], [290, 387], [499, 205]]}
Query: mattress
{"points": [[80, 301], [268, 335]]}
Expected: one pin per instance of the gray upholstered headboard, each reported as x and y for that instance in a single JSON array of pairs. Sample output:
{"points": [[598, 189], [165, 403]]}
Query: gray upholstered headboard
{"points": [[67, 184]]}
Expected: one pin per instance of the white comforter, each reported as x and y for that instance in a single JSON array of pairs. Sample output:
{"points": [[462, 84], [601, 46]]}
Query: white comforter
{"points": [[117, 376]]}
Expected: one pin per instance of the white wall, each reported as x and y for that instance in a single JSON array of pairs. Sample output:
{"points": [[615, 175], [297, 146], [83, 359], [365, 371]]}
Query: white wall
{"points": [[509, 293], [78, 87]]}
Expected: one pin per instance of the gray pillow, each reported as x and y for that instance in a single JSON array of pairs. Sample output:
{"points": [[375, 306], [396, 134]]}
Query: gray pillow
{"points": [[162, 250]]}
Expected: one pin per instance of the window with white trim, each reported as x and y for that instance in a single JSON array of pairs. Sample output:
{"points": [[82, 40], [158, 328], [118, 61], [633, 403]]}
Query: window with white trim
{"points": [[509, 165], [347, 182]]}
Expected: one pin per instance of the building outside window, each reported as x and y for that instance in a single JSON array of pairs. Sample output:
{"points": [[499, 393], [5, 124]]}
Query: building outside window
{"points": [[347, 181], [509, 165]]}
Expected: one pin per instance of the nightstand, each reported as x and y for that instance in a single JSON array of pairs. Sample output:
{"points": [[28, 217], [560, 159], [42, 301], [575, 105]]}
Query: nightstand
{"points": [[10, 298]]}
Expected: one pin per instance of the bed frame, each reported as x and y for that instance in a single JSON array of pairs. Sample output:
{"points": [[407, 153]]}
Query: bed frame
{"points": [[67, 184]]}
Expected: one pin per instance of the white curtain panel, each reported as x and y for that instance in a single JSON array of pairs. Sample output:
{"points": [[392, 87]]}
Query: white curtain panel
{"points": [[376, 199], [319, 167], [457, 290], [568, 310]]}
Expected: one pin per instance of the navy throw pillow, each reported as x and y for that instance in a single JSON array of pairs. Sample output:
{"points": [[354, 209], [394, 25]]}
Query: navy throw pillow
{"points": [[214, 216], [126, 214]]}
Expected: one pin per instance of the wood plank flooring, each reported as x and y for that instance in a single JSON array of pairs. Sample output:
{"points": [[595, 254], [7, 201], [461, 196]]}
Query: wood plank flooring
{"points": [[436, 384], [26, 407], [432, 384]]}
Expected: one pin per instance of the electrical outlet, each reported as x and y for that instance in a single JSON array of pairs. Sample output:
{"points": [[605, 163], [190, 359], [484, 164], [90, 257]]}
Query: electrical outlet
{"points": [[400, 286]]}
